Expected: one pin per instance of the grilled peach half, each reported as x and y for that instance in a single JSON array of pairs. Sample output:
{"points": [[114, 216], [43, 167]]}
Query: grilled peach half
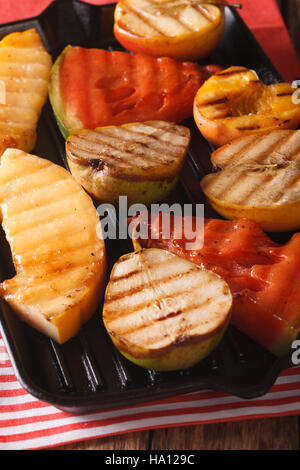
{"points": [[140, 160], [163, 312], [181, 29], [259, 180], [235, 102]]}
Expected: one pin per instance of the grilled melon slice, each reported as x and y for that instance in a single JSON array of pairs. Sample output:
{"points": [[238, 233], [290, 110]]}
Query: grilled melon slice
{"points": [[181, 29], [259, 180], [234, 102], [53, 230], [25, 67], [140, 160], [163, 312]]}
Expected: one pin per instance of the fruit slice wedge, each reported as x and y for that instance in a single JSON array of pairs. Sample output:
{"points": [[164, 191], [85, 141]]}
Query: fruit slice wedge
{"points": [[53, 230], [259, 180], [181, 29], [92, 88], [234, 102], [141, 160], [263, 276], [25, 67], [163, 312]]}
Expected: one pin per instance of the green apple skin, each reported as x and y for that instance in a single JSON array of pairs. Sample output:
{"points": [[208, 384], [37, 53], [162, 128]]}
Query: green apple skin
{"points": [[181, 356]]}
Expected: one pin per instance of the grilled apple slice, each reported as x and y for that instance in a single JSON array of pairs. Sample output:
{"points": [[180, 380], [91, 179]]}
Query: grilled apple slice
{"points": [[279, 146], [140, 160], [25, 67], [53, 230], [163, 312], [181, 29], [259, 180], [234, 102]]}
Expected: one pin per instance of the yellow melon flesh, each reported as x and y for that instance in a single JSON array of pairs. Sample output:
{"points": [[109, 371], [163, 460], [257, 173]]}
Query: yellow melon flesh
{"points": [[53, 230], [25, 67]]}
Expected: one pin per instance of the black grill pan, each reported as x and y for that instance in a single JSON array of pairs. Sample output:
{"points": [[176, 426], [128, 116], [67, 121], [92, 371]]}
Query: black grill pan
{"points": [[87, 373]]}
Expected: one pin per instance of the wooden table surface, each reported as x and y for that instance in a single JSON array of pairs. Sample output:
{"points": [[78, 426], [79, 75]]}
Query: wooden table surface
{"points": [[259, 434]]}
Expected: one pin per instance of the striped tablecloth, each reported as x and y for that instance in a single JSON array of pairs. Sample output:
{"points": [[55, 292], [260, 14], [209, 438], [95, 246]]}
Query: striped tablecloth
{"points": [[27, 423]]}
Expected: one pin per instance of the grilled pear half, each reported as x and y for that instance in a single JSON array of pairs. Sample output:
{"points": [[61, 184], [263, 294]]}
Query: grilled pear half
{"points": [[163, 312], [259, 180], [139, 160], [56, 243], [25, 67]]}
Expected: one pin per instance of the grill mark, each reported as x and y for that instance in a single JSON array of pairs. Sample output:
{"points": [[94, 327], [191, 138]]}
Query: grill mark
{"points": [[12, 68], [292, 182], [287, 93], [163, 318], [45, 237], [170, 315], [249, 128], [33, 189], [53, 267], [127, 275], [43, 207], [180, 130], [86, 244], [145, 20], [157, 142], [19, 176], [284, 140], [226, 114], [203, 11], [255, 142], [176, 16], [246, 197], [18, 128], [87, 162], [40, 222], [41, 282], [141, 287], [43, 240], [25, 81], [232, 72], [67, 252], [125, 158], [138, 271], [286, 188], [294, 153], [113, 160], [214, 102], [230, 184]]}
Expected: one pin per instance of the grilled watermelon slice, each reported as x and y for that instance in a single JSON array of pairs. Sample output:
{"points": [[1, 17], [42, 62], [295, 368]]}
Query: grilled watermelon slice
{"points": [[91, 88]]}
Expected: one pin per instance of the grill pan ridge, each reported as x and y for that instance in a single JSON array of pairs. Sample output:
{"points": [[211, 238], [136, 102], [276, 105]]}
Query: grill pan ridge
{"points": [[87, 373]]}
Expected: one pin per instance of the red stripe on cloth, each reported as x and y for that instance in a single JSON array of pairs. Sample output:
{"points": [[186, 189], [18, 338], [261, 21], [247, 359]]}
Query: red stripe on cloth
{"points": [[185, 399], [264, 19], [5, 363], [11, 422], [7, 378], [17, 392]]}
